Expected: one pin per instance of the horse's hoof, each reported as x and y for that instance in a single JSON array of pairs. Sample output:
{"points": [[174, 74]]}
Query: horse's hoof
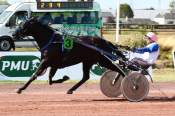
{"points": [[19, 91], [65, 78], [50, 83], [69, 92]]}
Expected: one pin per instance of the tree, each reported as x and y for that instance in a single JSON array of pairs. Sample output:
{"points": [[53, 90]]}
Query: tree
{"points": [[172, 6], [126, 11], [3, 2]]}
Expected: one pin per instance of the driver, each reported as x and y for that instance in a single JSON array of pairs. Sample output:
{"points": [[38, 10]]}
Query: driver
{"points": [[151, 50]]}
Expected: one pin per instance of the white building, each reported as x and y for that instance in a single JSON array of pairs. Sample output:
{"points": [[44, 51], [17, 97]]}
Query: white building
{"points": [[107, 17], [160, 16], [167, 18], [145, 14], [160, 19]]}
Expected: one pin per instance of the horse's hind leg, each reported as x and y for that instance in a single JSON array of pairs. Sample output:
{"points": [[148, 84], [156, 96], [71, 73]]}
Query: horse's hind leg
{"points": [[52, 73], [39, 71], [105, 62], [86, 69]]}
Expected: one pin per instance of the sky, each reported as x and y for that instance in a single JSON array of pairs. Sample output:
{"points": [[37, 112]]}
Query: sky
{"points": [[110, 5], [135, 4]]}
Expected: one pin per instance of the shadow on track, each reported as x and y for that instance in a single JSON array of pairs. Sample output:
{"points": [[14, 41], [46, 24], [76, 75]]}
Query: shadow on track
{"points": [[120, 99], [148, 99], [160, 99]]}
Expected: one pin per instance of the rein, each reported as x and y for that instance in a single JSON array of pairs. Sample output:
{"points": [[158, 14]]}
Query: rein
{"points": [[52, 38], [109, 55], [37, 47]]}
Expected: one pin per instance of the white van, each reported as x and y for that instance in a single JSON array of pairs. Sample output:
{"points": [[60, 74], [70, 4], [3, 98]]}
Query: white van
{"points": [[19, 12], [10, 19]]}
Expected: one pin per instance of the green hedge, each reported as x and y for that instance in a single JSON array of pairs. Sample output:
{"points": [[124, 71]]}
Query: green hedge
{"points": [[133, 42]]}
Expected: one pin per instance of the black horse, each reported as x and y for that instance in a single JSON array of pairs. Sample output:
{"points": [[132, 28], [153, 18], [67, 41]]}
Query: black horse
{"points": [[88, 50]]}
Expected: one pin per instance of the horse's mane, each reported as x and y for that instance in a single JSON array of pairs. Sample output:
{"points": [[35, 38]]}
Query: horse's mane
{"points": [[46, 27]]}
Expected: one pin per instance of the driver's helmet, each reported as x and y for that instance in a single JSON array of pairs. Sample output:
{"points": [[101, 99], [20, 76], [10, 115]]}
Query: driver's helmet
{"points": [[151, 36]]}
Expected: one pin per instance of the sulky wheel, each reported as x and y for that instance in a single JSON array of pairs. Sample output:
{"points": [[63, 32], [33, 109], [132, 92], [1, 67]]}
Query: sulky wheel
{"points": [[110, 84], [135, 87]]}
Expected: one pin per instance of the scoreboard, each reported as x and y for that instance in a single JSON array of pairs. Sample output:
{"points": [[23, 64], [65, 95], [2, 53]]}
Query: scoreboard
{"points": [[65, 5]]}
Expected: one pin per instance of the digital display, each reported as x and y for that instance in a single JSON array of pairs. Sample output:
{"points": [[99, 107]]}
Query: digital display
{"points": [[64, 5]]}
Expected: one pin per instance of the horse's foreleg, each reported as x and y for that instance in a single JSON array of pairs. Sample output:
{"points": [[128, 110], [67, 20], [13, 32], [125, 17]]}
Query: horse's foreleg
{"points": [[86, 70], [40, 69], [51, 74]]}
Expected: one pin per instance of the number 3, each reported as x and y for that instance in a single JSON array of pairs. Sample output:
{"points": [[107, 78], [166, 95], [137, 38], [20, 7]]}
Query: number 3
{"points": [[68, 43]]}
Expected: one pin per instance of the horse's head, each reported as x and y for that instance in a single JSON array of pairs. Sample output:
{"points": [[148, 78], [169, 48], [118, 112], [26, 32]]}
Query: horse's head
{"points": [[26, 28]]}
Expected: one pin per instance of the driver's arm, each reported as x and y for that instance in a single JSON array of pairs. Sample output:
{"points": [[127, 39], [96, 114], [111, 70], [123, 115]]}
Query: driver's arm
{"points": [[150, 48]]}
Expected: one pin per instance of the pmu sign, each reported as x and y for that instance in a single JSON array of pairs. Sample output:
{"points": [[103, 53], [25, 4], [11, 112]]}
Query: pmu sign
{"points": [[18, 66]]}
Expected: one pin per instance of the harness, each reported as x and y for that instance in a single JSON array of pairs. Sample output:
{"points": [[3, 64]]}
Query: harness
{"points": [[52, 39]]}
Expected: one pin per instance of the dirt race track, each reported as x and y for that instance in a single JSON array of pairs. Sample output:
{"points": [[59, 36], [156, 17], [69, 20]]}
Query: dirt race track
{"points": [[45, 100]]}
